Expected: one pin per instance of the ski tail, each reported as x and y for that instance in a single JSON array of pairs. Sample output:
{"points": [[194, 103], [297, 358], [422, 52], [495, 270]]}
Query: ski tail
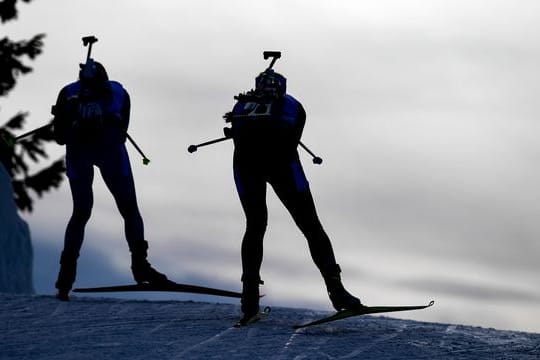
{"points": [[245, 321], [169, 286]]}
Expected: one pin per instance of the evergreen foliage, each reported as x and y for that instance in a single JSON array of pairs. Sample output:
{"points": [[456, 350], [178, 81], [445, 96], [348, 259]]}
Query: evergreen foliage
{"points": [[16, 154]]}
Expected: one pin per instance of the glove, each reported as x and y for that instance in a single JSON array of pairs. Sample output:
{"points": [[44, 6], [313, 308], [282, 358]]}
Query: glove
{"points": [[228, 132]]}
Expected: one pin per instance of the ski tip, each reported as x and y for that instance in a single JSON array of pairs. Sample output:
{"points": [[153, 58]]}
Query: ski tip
{"points": [[431, 303]]}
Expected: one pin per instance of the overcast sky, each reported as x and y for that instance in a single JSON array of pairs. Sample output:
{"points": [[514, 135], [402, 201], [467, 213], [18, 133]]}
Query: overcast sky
{"points": [[424, 112]]}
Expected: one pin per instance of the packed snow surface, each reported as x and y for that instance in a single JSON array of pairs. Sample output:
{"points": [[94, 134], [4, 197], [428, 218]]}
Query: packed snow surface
{"points": [[41, 327]]}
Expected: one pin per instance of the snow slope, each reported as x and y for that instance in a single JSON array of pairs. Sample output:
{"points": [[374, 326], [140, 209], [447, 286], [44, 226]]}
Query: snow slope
{"points": [[41, 327], [16, 253]]}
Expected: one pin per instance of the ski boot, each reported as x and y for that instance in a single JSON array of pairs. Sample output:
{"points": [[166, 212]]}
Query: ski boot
{"points": [[250, 298], [66, 275], [143, 272], [141, 269], [341, 299]]}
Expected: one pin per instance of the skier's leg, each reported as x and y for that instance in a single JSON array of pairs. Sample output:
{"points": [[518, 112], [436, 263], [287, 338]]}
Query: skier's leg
{"points": [[251, 189], [293, 190], [116, 172], [117, 175], [80, 177]]}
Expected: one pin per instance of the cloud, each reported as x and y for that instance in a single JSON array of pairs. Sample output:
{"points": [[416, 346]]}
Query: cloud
{"points": [[425, 116], [473, 291]]}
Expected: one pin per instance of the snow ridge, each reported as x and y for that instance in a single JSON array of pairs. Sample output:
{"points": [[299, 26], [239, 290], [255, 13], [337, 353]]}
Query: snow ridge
{"points": [[41, 327]]}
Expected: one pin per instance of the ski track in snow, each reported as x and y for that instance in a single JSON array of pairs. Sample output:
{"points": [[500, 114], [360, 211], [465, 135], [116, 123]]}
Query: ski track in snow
{"points": [[191, 349], [41, 327]]}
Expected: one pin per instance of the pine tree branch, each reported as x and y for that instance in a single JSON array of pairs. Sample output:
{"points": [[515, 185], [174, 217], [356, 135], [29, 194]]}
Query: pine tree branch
{"points": [[21, 197], [16, 122], [47, 179], [10, 64], [8, 10]]}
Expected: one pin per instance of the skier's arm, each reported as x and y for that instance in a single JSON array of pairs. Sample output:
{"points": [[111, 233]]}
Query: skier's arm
{"points": [[126, 110], [62, 118], [232, 132], [119, 119], [299, 124]]}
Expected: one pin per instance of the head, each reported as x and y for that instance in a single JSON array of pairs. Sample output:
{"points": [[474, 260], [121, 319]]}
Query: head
{"points": [[271, 84], [93, 75]]}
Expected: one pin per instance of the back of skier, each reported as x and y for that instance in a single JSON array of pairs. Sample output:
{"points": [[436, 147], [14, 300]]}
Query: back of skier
{"points": [[91, 117], [267, 125]]}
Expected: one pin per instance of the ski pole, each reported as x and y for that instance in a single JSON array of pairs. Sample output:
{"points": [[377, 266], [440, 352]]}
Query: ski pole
{"points": [[32, 132], [145, 160], [316, 160], [193, 148]]}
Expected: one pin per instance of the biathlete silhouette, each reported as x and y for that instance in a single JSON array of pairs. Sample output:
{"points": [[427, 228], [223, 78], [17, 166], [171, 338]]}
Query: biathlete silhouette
{"points": [[266, 128], [91, 118]]}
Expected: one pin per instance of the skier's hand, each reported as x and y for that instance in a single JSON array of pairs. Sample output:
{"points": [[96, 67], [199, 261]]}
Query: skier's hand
{"points": [[228, 132]]}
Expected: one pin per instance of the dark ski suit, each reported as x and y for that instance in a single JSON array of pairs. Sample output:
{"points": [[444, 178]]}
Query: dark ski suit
{"points": [[266, 152], [96, 140], [267, 125]]}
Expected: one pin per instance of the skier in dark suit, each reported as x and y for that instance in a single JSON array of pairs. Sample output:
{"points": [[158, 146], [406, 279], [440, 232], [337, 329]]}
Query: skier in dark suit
{"points": [[267, 125], [91, 117]]}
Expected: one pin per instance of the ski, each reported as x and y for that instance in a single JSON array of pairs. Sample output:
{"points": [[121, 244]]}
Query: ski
{"points": [[169, 286], [343, 314], [257, 317]]}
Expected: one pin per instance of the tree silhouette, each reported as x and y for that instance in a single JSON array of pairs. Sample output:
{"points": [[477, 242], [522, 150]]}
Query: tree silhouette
{"points": [[14, 153]]}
